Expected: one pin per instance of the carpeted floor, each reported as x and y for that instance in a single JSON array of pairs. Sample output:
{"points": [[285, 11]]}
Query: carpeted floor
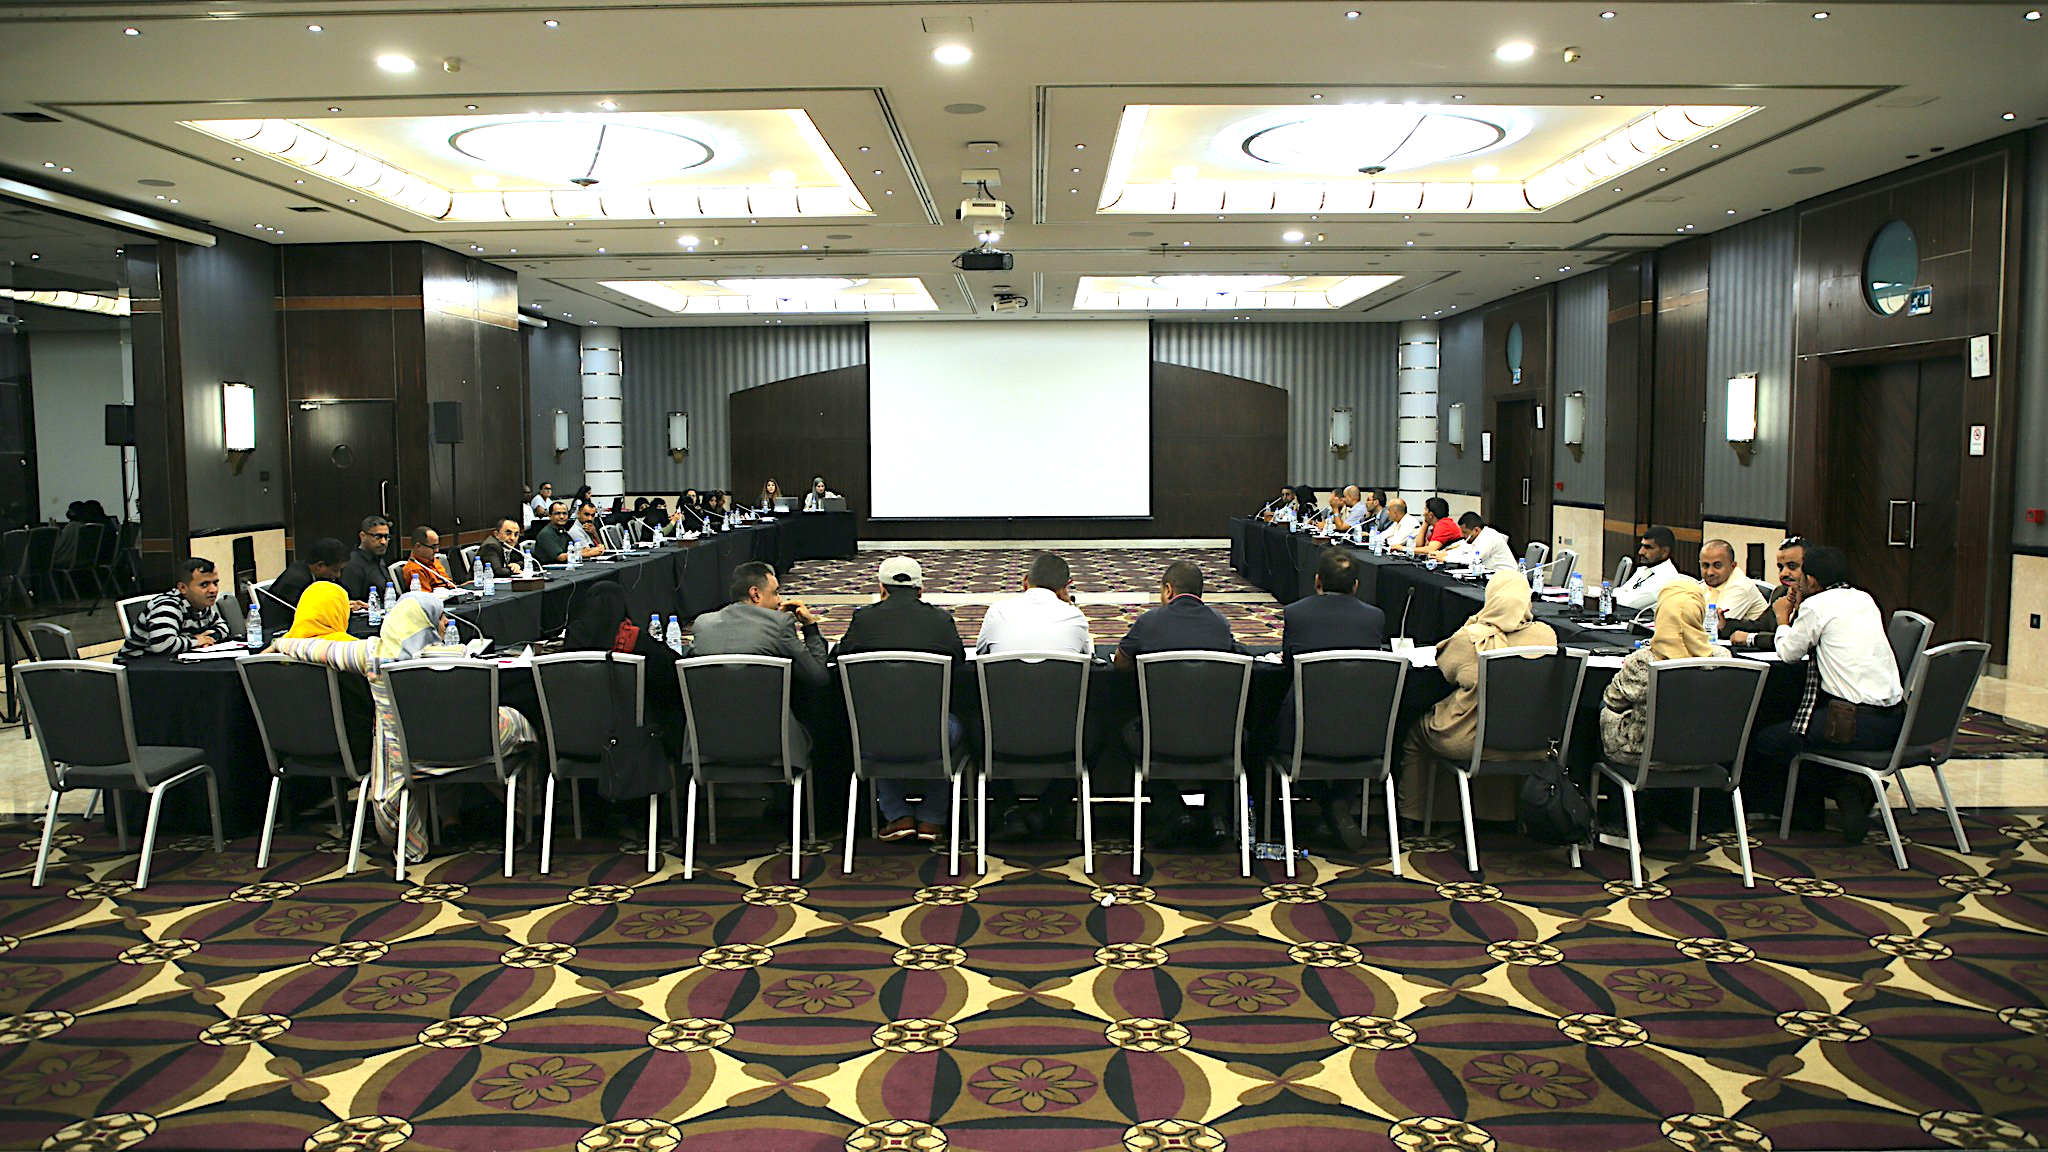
{"points": [[1002, 570], [1838, 1004]]}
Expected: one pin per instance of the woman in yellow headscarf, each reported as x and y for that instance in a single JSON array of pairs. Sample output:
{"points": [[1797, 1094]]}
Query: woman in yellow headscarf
{"points": [[322, 614], [1681, 634], [1504, 621]]}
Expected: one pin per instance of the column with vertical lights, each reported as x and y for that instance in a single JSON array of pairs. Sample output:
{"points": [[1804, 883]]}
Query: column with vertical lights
{"points": [[604, 463], [1415, 410]]}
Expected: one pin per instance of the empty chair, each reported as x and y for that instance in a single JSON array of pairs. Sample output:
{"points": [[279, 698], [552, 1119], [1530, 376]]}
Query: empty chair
{"points": [[395, 569], [1034, 706], [1623, 569], [614, 536], [1908, 632], [1528, 698], [447, 713], [1689, 742], [1559, 572], [231, 614], [84, 554], [469, 560], [898, 713], [585, 697], [129, 612], [1534, 557], [1936, 698], [103, 564], [1191, 728], [36, 566], [52, 642], [305, 733], [1344, 710], [128, 558], [14, 565], [738, 729], [86, 731]]}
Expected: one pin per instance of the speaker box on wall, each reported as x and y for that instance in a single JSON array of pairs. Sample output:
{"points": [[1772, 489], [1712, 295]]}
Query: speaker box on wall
{"points": [[448, 422], [120, 425]]}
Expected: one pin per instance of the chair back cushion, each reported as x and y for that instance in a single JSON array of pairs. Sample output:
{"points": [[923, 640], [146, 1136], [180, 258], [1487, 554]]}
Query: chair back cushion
{"points": [[1698, 709], [77, 713], [585, 698], [897, 705], [295, 706], [1908, 633], [1526, 701], [1347, 704], [1033, 707], [447, 710], [1193, 707], [1949, 676], [52, 642], [736, 707]]}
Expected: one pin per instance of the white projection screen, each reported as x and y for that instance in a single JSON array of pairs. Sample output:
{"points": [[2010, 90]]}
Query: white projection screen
{"points": [[991, 420]]}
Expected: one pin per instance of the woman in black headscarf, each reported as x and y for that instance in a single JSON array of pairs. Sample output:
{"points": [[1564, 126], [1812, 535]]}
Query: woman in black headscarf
{"points": [[599, 622]]}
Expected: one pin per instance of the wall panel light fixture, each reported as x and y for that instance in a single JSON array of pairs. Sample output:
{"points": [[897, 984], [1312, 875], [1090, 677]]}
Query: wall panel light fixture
{"points": [[238, 420], [1575, 423], [1455, 430], [1340, 431], [561, 431], [1742, 414], [678, 434]]}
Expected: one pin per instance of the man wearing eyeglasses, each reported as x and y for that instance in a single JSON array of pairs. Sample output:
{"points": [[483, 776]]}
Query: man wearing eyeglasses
{"points": [[1758, 631], [365, 568]]}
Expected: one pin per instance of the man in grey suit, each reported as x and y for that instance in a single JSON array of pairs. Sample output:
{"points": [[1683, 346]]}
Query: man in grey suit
{"points": [[759, 623]]}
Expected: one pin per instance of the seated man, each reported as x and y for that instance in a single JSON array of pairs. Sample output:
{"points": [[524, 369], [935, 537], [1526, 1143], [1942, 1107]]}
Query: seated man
{"points": [[553, 543], [501, 551], [1332, 619], [1344, 508], [182, 619], [1438, 530], [1732, 593], [902, 622], [279, 602], [1181, 623], [759, 622], [1740, 630], [1043, 619], [365, 568], [1398, 533], [1850, 671], [424, 568], [1283, 510], [1372, 514], [1654, 569], [1484, 547], [584, 533]]}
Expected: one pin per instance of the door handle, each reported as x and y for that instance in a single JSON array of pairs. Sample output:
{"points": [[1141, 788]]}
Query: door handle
{"points": [[1913, 525], [384, 497], [1525, 490], [1891, 524]]}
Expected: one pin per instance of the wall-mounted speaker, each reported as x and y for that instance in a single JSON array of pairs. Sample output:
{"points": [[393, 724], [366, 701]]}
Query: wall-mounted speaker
{"points": [[448, 422], [120, 425]]}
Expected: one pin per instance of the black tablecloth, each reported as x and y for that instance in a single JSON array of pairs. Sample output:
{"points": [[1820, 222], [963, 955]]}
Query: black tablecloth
{"points": [[815, 536], [201, 705]]}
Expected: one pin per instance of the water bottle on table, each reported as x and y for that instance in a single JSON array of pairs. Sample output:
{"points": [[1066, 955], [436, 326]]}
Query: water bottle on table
{"points": [[674, 636], [255, 625], [449, 635], [1712, 622], [1607, 600], [375, 607]]}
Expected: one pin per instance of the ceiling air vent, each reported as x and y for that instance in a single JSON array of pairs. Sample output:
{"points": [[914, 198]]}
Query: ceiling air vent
{"points": [[32, 117], [306, 208]]}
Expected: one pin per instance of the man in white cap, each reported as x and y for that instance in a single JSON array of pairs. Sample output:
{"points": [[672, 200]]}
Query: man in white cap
{"points": [[902, 622]]}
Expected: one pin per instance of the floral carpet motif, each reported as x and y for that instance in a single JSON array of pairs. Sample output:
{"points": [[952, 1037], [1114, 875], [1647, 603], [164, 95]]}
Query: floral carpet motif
{"points": [[1839, 1003]]}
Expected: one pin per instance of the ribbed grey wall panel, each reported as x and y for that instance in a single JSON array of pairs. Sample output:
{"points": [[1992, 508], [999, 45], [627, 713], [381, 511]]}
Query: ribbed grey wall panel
{"points": [[554, 379], [693, 370], [1459, 380], [1749, 329], [1582, 367], [2030, 463], [1322, 366]]}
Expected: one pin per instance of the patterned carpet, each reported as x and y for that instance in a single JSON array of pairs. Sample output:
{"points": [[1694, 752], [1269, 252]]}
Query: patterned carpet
{"points": [[1839, 1004], [1002, 570], [1107, 623], [1988, 737]]}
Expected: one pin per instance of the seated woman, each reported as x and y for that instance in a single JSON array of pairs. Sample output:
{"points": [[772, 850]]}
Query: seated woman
{"points": [[770, 493], [1680, 635], [409, 628], [1447, 732]]}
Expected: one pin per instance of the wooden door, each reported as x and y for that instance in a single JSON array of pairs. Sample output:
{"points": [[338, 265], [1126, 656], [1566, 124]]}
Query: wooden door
{"points": [[344, 467], [1514, 471]]}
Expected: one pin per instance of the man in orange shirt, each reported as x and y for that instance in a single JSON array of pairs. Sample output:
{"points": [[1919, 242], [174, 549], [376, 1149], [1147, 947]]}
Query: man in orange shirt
{"points": [[424, 565]]}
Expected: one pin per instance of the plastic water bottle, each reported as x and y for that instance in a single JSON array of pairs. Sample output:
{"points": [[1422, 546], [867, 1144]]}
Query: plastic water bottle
{"points": [[1577, 585], [255, 625], [1607, 599], [390, 597], [527, 567], [575, 556], [1712, 622], [376, 607], [654, 632], [489, 582], [674, 636], [415, 583], [449, 634]]}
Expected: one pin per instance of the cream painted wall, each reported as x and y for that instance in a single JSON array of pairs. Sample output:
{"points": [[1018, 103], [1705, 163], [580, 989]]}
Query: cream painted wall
{"points": [[1742, 536], [1579, 529], [1461, 504], [269, 546], [2026, 648]]}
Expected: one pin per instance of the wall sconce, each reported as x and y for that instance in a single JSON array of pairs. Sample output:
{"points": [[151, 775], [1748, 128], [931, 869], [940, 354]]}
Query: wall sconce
{"points": [[1340, 432], [1742, 415], [561, 431], [1575, 423], [238, 421], [1455, 434], [678, 434]]}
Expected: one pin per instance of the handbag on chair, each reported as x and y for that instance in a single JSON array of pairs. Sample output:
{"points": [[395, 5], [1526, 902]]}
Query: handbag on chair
{"points": [[632, 765]]}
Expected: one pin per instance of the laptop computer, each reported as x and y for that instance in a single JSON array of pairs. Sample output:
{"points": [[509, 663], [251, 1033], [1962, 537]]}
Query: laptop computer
{"points": [[788, 503], [834, 503]]}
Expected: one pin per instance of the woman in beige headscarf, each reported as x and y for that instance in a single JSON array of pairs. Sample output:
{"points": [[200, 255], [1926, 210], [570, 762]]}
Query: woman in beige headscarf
{"points": [[1681, 634], [1504, 621]]}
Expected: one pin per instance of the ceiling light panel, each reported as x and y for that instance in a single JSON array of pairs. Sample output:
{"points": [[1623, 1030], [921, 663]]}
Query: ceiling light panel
{"points": [[97, 302], [781, 295], [1214, 292]]}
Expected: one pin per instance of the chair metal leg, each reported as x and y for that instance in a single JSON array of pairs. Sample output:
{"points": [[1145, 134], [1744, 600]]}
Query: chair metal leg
{"points": [[1137, 828], [120, 822], [690, 831], [981, 823], [575, 809], [1244, 823], [49, 827], [1266, 819], [404, 828], [711, 812], [1471, 836], [1891, 826], [1393, 825], [1087, 826], [1692, 837], [953, 829], [1955, 821], [1635, 841], [852, 809], [1742, 837], [1287, 820], [1906, 793], [511, 818], [156, 801], [269, 823], [547, 823], [220, 842], [433, 813], [796, 830], [1429, 799], [653, 832], [92, 804], [355, 840], [340, 801], [1791, 790]]}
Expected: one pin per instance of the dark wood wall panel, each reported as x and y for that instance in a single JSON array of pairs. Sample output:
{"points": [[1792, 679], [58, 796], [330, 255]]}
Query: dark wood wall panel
{"points": [[1535, 311], [1631, 363], [814, 425], [1678, 404], [1219, 449]]}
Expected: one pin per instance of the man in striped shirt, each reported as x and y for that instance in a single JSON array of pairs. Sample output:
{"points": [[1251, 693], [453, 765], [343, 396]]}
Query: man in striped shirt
{"points": [[182, 619]]}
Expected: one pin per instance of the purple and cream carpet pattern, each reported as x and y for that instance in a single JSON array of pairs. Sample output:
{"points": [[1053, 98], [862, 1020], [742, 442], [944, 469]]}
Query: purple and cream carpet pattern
{"points": [[992, 570], [1840, 1003]]}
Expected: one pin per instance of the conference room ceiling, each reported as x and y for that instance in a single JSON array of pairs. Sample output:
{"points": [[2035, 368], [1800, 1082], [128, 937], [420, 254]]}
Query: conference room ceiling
{"points": [[649, 164]]}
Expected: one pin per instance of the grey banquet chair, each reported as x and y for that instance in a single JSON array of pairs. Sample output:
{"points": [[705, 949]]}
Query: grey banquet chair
{"points": [[447, 713], [584, 696], [86, 732], [1936, 699], [1690, 742], [1191, 708], [49, 641], [1535, 556], [1558, 574], [1623, 569], [1034, 708], [129, 612], [1362, 690], [738, 728], [305, 732], [898, 711], [1528, 699], [1908, 633]]}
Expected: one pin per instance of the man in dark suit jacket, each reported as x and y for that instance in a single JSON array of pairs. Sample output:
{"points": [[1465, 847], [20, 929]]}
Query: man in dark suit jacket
{"points": [[323, 561], [902, 622], [1332, 619]]}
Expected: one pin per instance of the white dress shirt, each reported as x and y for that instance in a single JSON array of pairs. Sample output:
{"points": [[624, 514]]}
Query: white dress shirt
{"points": [[1398, 533], [1738, 599], [1037, 621], [1489, 551], [1640, 590], [1844, 632]]}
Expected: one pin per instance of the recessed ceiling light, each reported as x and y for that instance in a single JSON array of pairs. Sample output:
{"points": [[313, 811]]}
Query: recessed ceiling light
{"points": [[471, 107], [1517, 50], [1458, 96], [1315, 96], [1291, 237], [687, 241], [392, 62], [600, 249], [1485, 172], [334, 107], [63, 169], [1076, 170], [2007, 116], [236, 159], [49, 163], [608, 105], [1607, 15], [1596, 96], [1353, 15], [551, 23], [315, 28], [952, 53], [1182, 172], [2033, 14], [131, 31], [1073, 190], [878, 171], [1820, 15]]}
